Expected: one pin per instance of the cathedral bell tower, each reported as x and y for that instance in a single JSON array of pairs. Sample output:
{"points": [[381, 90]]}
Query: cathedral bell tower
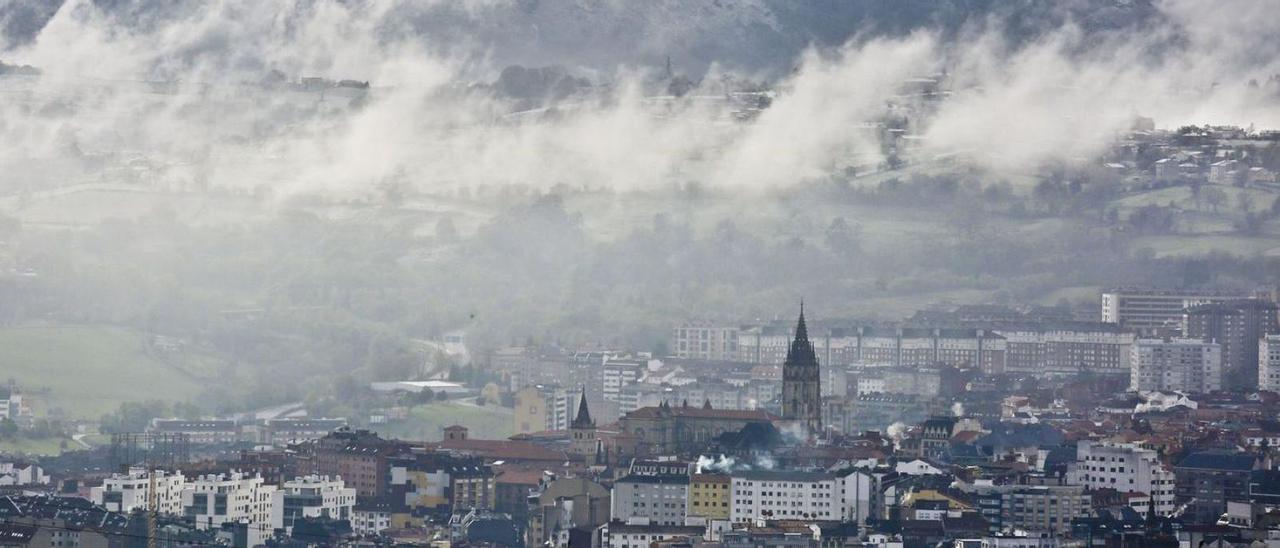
{"points": [[801, 383]]}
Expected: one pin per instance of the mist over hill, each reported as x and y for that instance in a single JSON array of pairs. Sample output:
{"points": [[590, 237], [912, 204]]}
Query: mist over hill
{"points": [[753, 36]]}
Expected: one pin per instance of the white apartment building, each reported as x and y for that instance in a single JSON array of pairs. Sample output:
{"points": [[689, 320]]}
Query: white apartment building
{"points": [[370, 520], [619, 374], [623, 535], [1127, 468], [1269, 363], [781, 495], [705, 341], [1183, 365], [22, 473], [214, 499], [312, 497], [1149, 309], [132, 491], [651, 499]]}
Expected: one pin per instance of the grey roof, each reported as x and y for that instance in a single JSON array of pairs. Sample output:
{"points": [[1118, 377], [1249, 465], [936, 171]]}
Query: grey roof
{"points": [[1218, 459], [682, 479], [783, 475]]}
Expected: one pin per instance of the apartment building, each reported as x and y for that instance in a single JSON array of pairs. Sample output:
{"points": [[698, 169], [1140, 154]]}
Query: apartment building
{"points": [[313, 497], [1269, 363], [214, 499], [785, 495], [132, 491], [706, 341], [1151, 310], [655, 499], [1127, 468], [1183, 365]]}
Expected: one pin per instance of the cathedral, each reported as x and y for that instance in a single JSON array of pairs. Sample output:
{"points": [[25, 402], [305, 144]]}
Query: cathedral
{"points": [[801, 383]]}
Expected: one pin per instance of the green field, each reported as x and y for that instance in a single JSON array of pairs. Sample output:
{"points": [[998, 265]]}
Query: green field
{"points": [[426, 422], [47, 446], [88, 371]]}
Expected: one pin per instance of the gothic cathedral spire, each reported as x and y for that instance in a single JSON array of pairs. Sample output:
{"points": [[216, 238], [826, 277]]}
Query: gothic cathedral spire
{"points": [[801, 382]]}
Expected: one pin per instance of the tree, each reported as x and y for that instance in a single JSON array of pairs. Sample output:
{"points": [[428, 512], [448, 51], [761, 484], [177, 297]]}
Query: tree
{"points": [[8, 428]]}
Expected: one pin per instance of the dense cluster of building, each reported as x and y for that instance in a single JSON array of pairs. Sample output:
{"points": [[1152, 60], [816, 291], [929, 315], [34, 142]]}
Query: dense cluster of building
{"points": [[979, 425]]}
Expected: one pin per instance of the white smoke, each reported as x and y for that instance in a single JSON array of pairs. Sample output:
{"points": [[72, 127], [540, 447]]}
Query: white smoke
{"points": [[765, 461], [720, 463], [957, 409], [896, 432]]}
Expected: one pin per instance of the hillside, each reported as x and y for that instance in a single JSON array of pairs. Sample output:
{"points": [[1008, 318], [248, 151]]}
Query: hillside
{"points": [[89, 371]]}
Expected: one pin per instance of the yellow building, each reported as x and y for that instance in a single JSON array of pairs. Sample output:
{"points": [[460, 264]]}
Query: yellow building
{"points": [[709, 496], [531, 412]]}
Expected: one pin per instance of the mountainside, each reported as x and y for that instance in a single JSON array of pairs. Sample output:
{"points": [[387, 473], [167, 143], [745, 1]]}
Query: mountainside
{"points": [[762, 36]]}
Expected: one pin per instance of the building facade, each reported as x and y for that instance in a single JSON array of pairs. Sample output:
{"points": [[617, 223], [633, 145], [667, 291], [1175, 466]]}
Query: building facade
{"points": [[1183, 365], [1127, 468], [132, 491], [658, 499], [1269, 363], [313, 497], [1237, 326], [214, 499], [1149, 311], [706, 341]]}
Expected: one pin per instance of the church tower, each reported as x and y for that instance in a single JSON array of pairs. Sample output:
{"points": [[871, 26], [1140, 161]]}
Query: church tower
{"points": [[583, 429], [801, 388]]}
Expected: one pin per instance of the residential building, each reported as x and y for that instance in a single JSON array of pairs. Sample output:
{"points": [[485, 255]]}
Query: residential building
{"points": [[706, 341], [371, 517], [22, 473], [1237, 326], [312, 497], [1127, 468], [1041, 509], [295, 430], [200, 431], [1062, 348], [782, 495], [1149, 311], [1269, 363], [617, 375], [214, 499], [912, 347], [1207, 480], [359, 457], [658, 499], [561, 504], [709, 496], [132, 491], [1183, 365], [619, 534], [542, 408]]}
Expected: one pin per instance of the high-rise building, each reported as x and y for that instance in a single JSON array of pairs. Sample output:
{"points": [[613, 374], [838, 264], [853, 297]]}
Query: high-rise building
{"points": [[1269, 363], [1184, 365], [801, 382], [1238, 326], [1150, 310]]}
